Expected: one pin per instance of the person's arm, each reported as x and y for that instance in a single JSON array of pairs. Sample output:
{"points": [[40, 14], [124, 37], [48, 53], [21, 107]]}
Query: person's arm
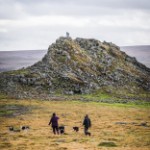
{"points": [[50, 121]]}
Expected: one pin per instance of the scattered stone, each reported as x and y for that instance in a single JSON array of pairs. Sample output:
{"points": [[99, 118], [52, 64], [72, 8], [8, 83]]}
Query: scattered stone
{"points": [[122, 123], [144, 124]]}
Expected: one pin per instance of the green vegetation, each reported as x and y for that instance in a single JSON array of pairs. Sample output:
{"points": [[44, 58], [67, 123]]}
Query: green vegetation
{"points": [[5, 112], [3, 96], [61, 59], [17, 72], [107, 144], [116, 100]]}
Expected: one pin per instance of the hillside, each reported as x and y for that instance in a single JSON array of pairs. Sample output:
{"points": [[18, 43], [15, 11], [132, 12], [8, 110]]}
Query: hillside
{"points": [[79, 66]]}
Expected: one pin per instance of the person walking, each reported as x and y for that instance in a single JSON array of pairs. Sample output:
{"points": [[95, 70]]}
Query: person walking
{"points": [[87, 125], [54, 122]]}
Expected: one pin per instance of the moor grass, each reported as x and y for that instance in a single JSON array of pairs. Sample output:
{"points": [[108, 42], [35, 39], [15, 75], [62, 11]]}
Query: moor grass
{"points": [[114, 126]]}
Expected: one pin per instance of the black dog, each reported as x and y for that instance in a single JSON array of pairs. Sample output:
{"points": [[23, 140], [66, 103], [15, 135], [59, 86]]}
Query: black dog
{"points": [[76, 129], [11, 128], [88, 133], [25, 127], [61, 129]]}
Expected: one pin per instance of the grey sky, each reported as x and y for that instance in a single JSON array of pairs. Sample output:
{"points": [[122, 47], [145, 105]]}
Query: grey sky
{"points": [[35, 24]]}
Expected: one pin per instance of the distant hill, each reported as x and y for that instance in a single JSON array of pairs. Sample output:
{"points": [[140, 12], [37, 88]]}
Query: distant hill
{"points": [[12, 60], [141, 53], [78, 66]]}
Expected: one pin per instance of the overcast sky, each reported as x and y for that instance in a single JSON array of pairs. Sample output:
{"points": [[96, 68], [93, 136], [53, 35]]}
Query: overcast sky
{"points": [[35, 24]]}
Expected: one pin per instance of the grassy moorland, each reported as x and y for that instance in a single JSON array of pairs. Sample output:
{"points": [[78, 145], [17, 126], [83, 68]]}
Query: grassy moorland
{"points": [[114, 126]]}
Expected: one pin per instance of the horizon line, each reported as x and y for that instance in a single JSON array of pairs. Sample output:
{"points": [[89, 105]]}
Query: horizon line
{"points": [[47, 48]]}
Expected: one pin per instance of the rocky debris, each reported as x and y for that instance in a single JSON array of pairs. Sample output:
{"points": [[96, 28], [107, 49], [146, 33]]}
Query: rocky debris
{"points": [[143, 124], [78, 66], [122, 123]]}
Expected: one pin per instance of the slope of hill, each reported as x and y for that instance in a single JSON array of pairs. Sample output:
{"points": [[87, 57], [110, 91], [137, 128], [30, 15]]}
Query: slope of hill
{"points": [[78, 66]]}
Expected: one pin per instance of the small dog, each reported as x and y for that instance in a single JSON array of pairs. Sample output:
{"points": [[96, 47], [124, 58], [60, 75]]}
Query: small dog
{"points": [[88, 133], [14, 129], [25, 127], [76, 129], [11, 128], [61, 129]]}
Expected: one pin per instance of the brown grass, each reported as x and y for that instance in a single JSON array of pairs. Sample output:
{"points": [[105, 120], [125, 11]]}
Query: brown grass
{"points": [[104, 128]]}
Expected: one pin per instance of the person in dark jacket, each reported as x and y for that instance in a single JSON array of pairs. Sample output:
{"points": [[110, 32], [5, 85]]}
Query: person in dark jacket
{"points": [[87, 125], [54, 123]]}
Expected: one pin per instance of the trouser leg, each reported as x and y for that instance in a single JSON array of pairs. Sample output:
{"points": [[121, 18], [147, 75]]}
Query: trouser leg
{"points": [[57, 129], [85, 130], [54, 130]]}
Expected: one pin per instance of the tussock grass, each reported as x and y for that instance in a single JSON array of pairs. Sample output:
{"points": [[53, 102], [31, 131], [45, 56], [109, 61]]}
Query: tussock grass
{"points": [[104, 131], [107, 144]]}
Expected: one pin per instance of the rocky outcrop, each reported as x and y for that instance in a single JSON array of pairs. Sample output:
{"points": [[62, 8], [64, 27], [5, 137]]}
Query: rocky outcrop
{"points": [[78, 66]]}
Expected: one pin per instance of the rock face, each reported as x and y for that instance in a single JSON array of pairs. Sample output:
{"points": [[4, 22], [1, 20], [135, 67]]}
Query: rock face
{"points": [[78, 66]]}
